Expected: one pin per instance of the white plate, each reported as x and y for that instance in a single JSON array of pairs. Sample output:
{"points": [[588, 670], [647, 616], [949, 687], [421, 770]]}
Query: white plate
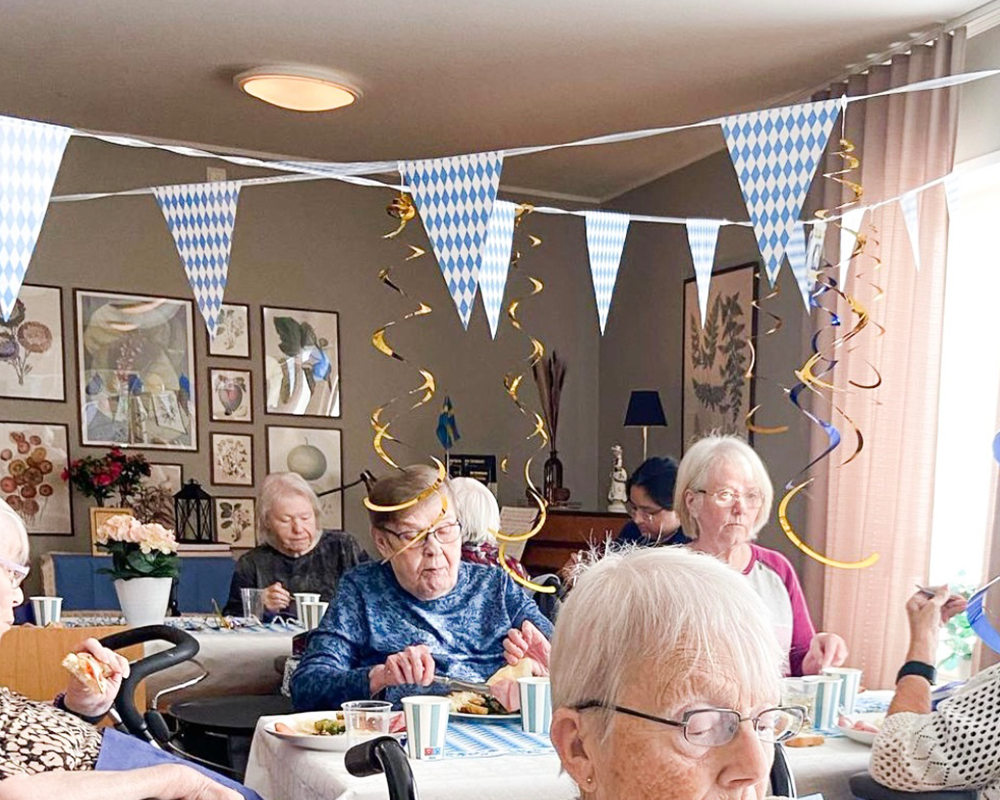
{"points": [[875, 718], [308, 741], [485, 717]]}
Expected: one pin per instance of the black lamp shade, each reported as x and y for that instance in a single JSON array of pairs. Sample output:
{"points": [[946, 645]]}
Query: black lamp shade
{"points": [[194, 516], [644, 408]]}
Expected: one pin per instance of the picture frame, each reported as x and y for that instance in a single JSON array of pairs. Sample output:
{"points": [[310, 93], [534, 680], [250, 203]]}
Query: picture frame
{"points": [[232, 459], [301, 362], [98, 516], [236, 522], [717, 396], [33, 456], [168, 479], [136, 363], [316, 455], [232, 332], [231, 394], [32, 342]]}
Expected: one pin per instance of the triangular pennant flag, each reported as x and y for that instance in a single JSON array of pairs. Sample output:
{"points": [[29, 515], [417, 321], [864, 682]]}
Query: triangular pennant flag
{"points": [[775, 153], [796, 252], [702, 237], [605, 240], [496, 260], [911, 216], [455, 198], [850, 227], [30, 155], [953, 193], [201, 217]]}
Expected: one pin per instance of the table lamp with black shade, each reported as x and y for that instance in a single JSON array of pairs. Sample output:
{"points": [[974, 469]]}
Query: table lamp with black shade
{"points": [[644, 411]]}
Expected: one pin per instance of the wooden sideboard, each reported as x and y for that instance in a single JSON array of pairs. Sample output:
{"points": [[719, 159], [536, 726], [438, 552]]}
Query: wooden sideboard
{"points": [[566, 532]]}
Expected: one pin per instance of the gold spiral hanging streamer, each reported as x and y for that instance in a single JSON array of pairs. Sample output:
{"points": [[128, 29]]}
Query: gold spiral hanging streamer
{"points": [[777, 325]]}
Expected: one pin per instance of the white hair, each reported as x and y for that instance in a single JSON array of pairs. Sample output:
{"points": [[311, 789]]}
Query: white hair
{"points": [[275, 487], [14, 527], [660, 616], [698, 461], [477, 510]]}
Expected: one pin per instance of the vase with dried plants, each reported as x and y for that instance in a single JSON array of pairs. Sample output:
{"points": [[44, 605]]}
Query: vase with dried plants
{"points": [[550, 374]]}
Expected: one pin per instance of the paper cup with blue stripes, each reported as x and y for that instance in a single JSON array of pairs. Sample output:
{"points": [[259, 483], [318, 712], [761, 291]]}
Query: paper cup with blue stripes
{"points": [[426, 726], [827, 702], [850, 683], [47, 610], [300, 599], [310, 614], [536, 704]]}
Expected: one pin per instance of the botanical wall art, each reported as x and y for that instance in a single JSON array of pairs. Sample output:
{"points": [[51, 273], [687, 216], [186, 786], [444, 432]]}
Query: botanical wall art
{"points": [[314, 453], [232, 459], [231, 395], [32, 459], [232, 333], [154, 500], [136, 359], [31, 346], [235, 521], [301, 362], [717, 396]]}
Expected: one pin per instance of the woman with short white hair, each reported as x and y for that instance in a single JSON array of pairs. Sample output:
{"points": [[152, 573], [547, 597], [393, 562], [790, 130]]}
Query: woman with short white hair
{"points": [[724, 497], [479, 515], [295, 555], [666, 680]]}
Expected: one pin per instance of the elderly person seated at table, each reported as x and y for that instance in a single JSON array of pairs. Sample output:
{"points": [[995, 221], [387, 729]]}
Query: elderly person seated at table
{"points": [[296, 555], [419, 613], [666, 680], [650, 505], [52, 749], [479, 515], [954, 747], [724, 496]]}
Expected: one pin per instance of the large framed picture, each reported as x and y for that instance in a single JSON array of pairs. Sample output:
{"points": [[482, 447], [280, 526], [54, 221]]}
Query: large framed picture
{"points": [[314, 453], [232, 332], [717, 395], [301, 362], [232, 459], [31, 346], [137, 367], [33, 456]]}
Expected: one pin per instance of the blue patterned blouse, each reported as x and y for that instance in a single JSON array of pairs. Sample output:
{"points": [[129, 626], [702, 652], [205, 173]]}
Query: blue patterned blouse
{"points": [[373, 617]]}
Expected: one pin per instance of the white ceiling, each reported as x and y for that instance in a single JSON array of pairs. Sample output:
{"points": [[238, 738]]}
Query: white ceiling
{"points": [[442, 76]]}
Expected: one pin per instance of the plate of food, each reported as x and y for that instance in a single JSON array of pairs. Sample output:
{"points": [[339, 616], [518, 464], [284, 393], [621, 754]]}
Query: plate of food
{"points": [[861, 727], [312, 730], [476, 706]]}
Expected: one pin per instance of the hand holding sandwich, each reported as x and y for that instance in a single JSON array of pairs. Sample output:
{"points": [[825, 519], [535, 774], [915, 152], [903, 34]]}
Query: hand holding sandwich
{"points": [[97, 674]]}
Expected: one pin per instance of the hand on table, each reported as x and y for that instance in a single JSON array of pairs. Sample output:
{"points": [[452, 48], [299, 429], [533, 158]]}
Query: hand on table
{"points": [[276, 598], [413, 665], [81, 698], [529, 642], [825, 650]]}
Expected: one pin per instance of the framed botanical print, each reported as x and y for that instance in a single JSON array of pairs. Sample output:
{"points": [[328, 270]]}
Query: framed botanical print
{"points": [[717, 395], [33, 456], [232, 459], [154, 502], [31, 346], [231, 395], [232, 332], [236, 521], [315, 454], [137, 367], [98, 516], [301, 362]]}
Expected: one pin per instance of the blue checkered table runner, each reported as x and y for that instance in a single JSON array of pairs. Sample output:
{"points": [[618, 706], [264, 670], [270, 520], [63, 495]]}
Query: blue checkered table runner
{"points": [[485, 739]]}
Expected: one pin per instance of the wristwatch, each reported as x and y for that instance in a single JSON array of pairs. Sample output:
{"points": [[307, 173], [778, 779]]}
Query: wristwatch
{"points": [[925, 671]]}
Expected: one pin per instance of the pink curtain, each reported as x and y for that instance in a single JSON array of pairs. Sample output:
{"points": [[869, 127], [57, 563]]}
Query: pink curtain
{"points": [[881, 502]]}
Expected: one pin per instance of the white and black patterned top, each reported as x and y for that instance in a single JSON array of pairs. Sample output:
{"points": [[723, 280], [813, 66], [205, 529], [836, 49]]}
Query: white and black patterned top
{"points": [[955, 747]]}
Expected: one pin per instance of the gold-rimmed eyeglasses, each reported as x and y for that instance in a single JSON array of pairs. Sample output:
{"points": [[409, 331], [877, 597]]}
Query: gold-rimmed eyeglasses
{"points": [[445, 533], [636, 512], [724, 498]]}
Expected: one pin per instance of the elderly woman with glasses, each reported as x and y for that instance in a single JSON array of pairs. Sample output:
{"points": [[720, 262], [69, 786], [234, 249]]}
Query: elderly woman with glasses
{"points": [[419, 613], [666, 680], [724, 497]]}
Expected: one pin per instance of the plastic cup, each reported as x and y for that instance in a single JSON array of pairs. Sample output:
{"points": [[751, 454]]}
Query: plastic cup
{"points": [[827, 702], [366, 719], [47, 610], [310, 614], [426, 726], [536, 704], [850, 683], [300, 598], [796, 692], [253, 603]]}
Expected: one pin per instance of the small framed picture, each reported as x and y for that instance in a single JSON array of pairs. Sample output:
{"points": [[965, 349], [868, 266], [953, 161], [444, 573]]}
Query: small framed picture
{"points": [[236, 521], [33, 456], [231, 395], [232, 459], [98, 516], [301, 362], [154, 502], [232, 333], [31, 346], [315, 454]]}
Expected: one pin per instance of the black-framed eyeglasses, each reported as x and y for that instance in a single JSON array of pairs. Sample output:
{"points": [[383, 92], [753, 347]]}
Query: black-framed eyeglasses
{"points": [[714, 727], [17, 572], [724, 498], [445, 533], [636, 512]]}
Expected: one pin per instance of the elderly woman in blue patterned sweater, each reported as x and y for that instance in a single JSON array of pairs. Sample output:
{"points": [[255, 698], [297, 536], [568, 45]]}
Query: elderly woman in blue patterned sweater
{"points": [[421, 612]]}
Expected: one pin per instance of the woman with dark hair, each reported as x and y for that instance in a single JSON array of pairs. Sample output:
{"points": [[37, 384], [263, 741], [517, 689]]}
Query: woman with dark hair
{"points": [[651, 505]]}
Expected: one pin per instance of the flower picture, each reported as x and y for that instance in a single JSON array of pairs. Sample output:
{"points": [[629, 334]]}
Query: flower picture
{"points": [[231, 395], [235, 521], [138, 550], [33, 458], [31, 346], [301, 362], [232, 459], [232, 332], [314, 453]]}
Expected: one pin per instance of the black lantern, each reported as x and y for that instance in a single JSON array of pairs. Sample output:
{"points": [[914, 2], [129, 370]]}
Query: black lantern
{"points": [[193, 514]]}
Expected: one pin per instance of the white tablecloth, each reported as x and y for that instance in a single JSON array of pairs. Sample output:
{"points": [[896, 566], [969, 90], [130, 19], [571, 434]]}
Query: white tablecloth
{"points": [[826, 769]]}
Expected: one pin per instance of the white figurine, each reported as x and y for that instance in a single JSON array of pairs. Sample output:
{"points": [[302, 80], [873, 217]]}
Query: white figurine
{"points": [[617, 495]]}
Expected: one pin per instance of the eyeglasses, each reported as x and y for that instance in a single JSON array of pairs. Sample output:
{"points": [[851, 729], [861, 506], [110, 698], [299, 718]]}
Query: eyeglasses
{"points": [[714, 727], [636, 512], [445, 534], [17, 572], [724, 498]]}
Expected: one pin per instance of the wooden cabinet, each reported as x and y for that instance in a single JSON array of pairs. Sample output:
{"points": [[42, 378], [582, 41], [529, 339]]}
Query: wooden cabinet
{"points": [[566, 532]]}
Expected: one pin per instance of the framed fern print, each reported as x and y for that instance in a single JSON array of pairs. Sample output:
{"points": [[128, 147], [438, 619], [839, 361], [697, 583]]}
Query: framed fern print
{"points": [[717, 395]]}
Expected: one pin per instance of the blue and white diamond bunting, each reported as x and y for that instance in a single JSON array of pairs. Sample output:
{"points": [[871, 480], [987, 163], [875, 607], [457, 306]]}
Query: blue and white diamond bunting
{"points": [[606, 232], [911, 216], [201, 217], [703, 234], [30, 155], [796, 252], [496, 260], [775, 153], [455, 198]]}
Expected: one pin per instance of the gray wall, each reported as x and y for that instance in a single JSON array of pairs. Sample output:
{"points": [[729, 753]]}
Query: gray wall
{"points": [[979, 113]]}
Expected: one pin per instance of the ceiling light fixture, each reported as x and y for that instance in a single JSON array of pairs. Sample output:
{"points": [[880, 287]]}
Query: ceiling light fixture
{"points": [[297, 88]]}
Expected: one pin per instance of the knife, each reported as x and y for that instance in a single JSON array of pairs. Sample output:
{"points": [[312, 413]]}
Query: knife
{"points": [[462, 686]]}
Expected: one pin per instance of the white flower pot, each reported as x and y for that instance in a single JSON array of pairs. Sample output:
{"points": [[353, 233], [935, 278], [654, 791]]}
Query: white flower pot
{"points": [[143, 600]]}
